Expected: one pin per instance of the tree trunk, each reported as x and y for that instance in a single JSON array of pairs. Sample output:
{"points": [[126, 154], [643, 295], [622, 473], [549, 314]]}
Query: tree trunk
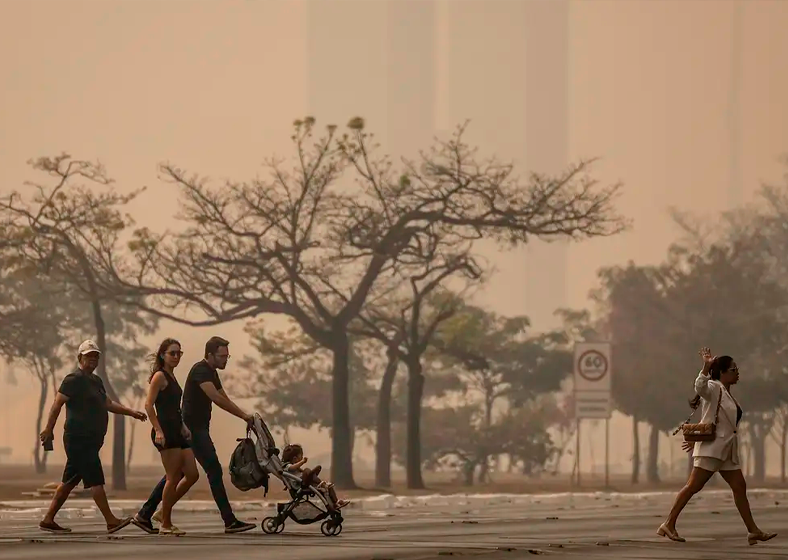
{"points": [[783, 442], [652, 466], [746, 451], [352, 442], [130, 453], [484, 470], [383, 436], [468, 471], [341, 446], [415, 395], [39, 456], [118, 424], [759, 452], [635, 451], [131, 440]]}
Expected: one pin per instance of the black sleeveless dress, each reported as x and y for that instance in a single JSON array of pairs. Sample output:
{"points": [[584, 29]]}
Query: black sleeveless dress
{"points": [[168, 411]]}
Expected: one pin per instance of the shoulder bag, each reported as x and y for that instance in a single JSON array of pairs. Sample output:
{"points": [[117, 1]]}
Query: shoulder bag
{"points": [[702, 431]]}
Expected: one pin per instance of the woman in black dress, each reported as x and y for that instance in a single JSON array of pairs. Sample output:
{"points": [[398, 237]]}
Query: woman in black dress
{"points": [[169, 434]]}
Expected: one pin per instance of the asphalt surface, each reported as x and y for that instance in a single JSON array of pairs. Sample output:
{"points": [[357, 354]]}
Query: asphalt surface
{"points": [[596, 527]]}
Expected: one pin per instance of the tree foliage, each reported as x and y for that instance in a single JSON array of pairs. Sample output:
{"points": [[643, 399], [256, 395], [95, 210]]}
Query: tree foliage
{"points": [[290, 375], [70, 230]]}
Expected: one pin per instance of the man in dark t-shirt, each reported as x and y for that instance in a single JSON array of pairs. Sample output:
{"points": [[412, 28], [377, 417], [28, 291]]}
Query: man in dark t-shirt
{"points": [[86, 410], [197, 405], [203, 388], [87, 414]]}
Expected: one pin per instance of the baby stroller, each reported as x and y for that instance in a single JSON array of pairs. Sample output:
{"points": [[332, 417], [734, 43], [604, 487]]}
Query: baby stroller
{"points": [[254, 460]]}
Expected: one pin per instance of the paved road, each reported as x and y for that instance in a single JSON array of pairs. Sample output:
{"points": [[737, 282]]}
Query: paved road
{"points": [[568, 527]]}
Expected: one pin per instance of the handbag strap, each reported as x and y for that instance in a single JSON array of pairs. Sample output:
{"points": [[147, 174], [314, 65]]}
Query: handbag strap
{"points": [[716, 414], [677, 430]]}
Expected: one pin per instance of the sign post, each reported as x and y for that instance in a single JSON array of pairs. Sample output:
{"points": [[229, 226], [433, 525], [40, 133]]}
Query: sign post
{"points": [[593, 388], [607, 452]]}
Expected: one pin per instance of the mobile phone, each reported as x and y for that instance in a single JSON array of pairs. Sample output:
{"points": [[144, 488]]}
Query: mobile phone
{"points": [[49, 444]]}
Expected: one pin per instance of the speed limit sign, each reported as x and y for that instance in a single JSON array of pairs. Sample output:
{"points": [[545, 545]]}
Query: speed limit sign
{"points": [[592, 366]]}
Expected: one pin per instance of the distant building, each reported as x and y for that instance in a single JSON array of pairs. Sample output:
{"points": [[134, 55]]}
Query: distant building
{"points": [[414, 69]]}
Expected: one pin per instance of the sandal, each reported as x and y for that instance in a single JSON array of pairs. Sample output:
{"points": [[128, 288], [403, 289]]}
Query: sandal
{"points": [[123, 523]]}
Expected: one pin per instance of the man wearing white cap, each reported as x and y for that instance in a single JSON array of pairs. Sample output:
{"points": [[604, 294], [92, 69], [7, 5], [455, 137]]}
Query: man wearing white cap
{"points": [[87, 416]]}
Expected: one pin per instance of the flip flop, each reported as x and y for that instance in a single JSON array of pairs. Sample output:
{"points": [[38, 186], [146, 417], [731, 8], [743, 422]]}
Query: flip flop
{"points": [[123, 523]]}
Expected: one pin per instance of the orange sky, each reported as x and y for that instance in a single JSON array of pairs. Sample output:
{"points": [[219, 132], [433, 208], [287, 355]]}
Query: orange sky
{"points": [[214, 87]]}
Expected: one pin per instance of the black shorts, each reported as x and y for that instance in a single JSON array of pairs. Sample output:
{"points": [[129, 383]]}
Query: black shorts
{"points": [[173, 439], [82, 461]]}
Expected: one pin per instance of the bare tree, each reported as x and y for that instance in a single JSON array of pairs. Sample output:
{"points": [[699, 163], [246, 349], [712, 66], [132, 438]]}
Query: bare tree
{"points": [[63, 229], [312, 241]]}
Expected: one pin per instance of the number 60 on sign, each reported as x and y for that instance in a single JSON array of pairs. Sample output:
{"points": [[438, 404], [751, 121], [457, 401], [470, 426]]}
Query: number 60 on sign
{"points": [[592, 367]]}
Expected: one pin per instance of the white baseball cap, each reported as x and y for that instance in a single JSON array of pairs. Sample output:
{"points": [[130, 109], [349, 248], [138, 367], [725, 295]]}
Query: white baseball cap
{"points": [[87, 347]]}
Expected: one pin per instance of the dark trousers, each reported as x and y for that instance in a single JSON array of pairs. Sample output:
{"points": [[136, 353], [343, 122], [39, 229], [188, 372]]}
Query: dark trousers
{"points": [[205, 453]]}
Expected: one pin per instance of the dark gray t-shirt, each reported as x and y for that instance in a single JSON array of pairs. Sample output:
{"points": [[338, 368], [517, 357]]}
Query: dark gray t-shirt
{"points": [[196, 404]]}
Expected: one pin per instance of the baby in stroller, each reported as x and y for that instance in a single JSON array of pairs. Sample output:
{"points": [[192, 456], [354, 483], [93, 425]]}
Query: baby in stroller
{"points": [[293, 461], [255, 459]]}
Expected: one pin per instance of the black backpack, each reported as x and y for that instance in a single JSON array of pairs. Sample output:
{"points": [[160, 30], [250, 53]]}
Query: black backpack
{"points": [[245, 472]]}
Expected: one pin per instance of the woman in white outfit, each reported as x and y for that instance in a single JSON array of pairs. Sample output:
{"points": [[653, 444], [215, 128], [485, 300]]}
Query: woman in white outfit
{"points": [[722, 453]]}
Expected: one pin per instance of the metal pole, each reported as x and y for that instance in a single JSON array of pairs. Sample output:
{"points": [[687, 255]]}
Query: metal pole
{"points": [[607, 452], [577, 451]]}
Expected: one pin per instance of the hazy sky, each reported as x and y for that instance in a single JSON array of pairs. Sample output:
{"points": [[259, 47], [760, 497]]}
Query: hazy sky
{"points": [[213, 86]]}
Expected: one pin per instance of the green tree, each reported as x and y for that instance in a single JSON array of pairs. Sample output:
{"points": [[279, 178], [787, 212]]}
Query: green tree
{"points": [[405, 323], [456, 438], [657, 317], [291, 377], [639, 315], [71, 229], [745, 309], [33, 317], [498, 360]]}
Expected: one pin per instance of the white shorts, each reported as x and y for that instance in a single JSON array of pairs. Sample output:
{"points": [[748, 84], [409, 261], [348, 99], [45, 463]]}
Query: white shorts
{"points": [[713, 464]]}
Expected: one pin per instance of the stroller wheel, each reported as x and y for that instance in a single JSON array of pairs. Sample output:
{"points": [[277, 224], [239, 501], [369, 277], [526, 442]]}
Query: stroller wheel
{"points": [[330, 529], [270, 525]]}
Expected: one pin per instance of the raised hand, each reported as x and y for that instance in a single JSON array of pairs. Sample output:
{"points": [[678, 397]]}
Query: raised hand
{"points": [[705, 353]]}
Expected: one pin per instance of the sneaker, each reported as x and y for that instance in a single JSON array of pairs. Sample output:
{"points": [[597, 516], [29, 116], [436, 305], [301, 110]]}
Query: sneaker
{"points": [[239, 527], [174, 531], [53, 527], [144, 524]]}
